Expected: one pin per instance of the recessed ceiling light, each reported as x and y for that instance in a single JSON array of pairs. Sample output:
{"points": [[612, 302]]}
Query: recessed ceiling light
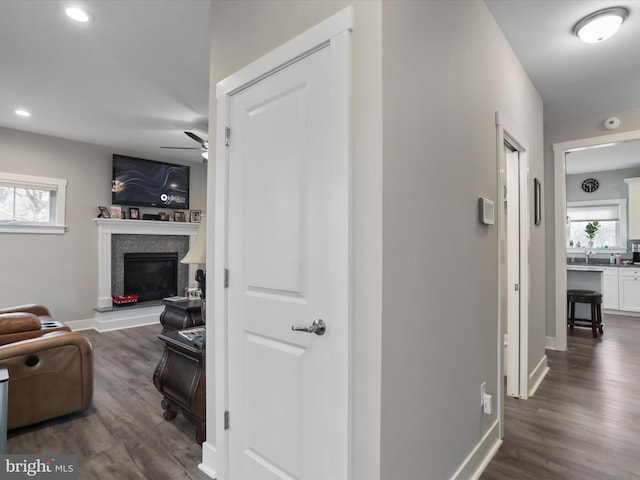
{"points": [[600, 25], [22, 113], [78, 14]]}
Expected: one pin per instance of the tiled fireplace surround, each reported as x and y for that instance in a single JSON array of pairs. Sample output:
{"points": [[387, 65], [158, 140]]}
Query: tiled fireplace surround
{"points": [[116, 237]]}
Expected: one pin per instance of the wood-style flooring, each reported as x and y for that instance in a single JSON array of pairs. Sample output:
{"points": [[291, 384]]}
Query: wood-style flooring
{"points": [[124, 435], [583, 423]]}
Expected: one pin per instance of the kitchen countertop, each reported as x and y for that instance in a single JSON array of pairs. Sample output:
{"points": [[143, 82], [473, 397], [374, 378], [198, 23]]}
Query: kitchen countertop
{"points": [[596, 267]]}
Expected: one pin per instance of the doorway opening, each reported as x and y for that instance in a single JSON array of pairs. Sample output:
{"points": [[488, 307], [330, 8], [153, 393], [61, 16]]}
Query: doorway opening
{"points": [[560, 201], [514, 254], [513, 275]]}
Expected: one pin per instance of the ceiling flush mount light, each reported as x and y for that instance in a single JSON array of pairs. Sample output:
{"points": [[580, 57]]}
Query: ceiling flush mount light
{"points": [[600, 25], [78, 14], [23, 113]]}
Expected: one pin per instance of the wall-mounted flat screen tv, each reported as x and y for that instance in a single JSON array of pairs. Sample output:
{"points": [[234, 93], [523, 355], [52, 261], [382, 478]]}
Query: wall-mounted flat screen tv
{"points": [[148, 183]]}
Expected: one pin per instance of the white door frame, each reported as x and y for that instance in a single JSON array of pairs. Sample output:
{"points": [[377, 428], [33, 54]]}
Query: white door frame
{"points": [[333, 33], [560, 202], [517, 334], [512, 259]]}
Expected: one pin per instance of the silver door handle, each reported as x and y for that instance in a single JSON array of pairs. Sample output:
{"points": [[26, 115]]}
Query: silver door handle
{"points": [[318, 327]]}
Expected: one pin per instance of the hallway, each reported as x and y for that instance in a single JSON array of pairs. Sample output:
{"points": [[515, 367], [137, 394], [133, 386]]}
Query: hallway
{"points": [[584, 420]]}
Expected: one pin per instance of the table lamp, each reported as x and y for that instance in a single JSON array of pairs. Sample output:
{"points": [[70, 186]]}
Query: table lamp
{"points": [[197, 254]]}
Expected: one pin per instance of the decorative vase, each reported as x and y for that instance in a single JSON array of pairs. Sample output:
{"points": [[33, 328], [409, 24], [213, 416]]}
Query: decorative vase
{"points": [[590, 243]]}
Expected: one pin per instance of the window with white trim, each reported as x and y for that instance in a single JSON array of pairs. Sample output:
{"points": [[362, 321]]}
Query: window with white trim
{"points": [[611, 216], [30, 204]]}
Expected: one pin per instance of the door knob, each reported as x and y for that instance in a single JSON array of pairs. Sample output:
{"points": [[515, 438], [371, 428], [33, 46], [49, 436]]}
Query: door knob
{"points": [[318, 327]]}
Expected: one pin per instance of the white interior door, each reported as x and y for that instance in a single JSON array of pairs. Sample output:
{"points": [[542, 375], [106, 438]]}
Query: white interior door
{"points": [[513, 271], [287, 211]]}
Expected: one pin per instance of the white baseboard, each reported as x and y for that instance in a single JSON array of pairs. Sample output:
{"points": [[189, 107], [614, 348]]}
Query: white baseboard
{"points": [[77, 325], [209, 454], [119, 319], [537, 376], [480, 456], [621, 313], [127, 318]]}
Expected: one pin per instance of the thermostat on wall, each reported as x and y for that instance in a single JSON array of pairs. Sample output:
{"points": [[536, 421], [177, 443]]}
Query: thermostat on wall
{"points": [[487, 211]]}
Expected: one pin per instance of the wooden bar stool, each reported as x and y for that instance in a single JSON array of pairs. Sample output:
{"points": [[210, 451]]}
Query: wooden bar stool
{"points": [[592, 298]]}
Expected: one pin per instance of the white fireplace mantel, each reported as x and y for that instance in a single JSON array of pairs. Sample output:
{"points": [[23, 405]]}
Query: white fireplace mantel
{"points": [[109, 226]]}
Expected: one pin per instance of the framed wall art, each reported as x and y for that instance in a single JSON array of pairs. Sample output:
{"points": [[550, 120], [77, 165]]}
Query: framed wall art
{"points": [[537, 198]]}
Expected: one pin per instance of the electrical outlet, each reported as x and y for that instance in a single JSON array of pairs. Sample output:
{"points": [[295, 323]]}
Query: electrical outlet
{"points": [[483, 392], [486, 408]]}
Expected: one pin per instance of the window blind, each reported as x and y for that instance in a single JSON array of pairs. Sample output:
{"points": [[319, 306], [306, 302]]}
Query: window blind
{"points": [[29, 185], [590, 213]]}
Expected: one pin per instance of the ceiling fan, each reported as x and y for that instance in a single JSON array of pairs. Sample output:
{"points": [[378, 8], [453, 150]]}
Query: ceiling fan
{"points": [[204, 145]]}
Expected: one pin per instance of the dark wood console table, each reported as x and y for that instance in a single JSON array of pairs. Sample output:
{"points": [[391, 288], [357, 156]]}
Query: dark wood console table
{"points": [[181, 315], [181, 378]]}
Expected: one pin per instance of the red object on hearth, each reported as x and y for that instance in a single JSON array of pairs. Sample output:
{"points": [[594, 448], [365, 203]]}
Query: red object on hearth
{"points": [[124, 299]]}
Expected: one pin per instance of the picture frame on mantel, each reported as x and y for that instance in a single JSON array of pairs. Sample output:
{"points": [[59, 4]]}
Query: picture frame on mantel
{"points": [[104, 212], [537, 198], [134, 214], [194, 216]]}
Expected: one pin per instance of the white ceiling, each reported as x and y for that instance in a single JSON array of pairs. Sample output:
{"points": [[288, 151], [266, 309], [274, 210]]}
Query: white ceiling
{"points": [[573, 78], [133, 79], [138, 76]]}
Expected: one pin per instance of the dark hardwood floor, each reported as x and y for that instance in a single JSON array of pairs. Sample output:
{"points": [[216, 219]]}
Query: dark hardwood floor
{"points": [[584, 420], [124, 435]]}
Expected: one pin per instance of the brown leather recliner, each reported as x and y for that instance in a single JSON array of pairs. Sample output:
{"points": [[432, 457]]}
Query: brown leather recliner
{"points": [[27, 321], [50, 367]]}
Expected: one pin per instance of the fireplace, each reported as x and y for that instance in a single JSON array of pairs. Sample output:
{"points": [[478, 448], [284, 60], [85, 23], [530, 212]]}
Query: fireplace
{"points": [[151, 276], [117, 237]]}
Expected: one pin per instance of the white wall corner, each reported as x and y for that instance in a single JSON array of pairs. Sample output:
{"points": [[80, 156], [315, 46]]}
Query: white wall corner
{"points": [[550, 343], [537, 375], [481, 455]]}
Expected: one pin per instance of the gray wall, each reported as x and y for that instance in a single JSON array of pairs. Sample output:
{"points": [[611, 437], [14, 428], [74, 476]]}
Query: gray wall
{"points": [[611, 186], [61, 271], [586, 127], [426, 328], [446, 70]]}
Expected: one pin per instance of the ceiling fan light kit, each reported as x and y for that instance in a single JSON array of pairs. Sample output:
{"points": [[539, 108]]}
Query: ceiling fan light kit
{"points": [[204, 145], [600, 25]]}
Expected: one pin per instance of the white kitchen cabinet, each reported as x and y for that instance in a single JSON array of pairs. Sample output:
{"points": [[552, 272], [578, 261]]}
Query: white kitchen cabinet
{"points": [[634, 207], [629, 285], [610, 288]]}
